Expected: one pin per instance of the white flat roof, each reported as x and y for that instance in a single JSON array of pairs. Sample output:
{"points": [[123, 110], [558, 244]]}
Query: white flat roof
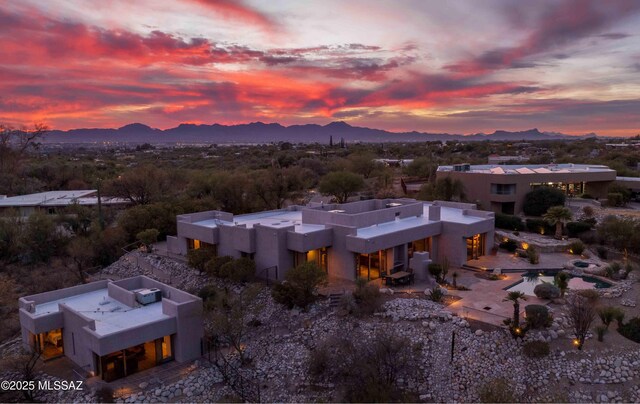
{"points": [[272, 218], [447, 214], [51, 198], [511, 169], [107, 321]]}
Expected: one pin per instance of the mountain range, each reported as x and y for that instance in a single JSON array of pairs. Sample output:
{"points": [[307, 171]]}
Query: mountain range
{"points": [[259, 132]]}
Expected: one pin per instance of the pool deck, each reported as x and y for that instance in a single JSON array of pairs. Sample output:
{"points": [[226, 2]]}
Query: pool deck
{"points": [[485, 293]]}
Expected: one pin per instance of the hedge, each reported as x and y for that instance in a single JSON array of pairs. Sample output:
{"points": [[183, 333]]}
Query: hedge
{"points": [[539, 226], [575, 228], [508, 222]]}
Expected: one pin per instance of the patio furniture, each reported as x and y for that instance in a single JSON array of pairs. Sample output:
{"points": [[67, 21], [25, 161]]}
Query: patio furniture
{"points": [[399, 278]]}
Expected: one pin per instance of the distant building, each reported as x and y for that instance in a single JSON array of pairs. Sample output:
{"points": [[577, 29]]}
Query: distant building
{"points": [[632, 184], [496, 159], [114, 328], [50, 202], [366, 239], [503, 188], [394, 162]]}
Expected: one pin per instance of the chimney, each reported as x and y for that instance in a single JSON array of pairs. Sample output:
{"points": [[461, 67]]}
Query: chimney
{"points": [[434, 213]]}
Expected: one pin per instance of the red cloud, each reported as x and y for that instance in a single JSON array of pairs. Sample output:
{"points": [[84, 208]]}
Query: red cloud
{"points": [[237, 9]]}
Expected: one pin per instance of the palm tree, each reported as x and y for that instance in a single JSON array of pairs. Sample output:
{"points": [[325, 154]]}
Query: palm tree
{"points": [[515, 297], [562, 282], [557, 216]]}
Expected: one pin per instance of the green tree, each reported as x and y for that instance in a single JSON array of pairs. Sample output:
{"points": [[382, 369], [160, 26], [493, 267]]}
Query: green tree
{"points": [[81, 251], [142, 185], [274, 186], [198, 258], [148, 237], [558, 216], [539, 200], [515, 297], [40, 239], [300, 286], [363, 163], [228, 314], [239, 270], [341, 185], [444, 189]]}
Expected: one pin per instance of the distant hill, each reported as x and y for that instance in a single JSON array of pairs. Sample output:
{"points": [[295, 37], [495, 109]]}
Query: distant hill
{"points": [[259, 132]]}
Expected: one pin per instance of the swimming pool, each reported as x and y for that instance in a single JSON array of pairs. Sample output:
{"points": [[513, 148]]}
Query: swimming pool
{"points": [[531, 280]]}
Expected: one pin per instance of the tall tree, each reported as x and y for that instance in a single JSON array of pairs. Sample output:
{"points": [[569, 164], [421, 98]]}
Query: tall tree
{"points": [[142, 185], [274, 186], [341, 184], [14, 146]]}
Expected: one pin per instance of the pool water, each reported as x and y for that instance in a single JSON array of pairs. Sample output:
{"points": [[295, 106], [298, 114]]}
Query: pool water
{"points": [[530, 281]]}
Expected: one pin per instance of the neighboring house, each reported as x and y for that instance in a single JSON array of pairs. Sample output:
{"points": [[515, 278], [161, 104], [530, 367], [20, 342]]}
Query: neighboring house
{"points": [[51, 202], [503, 188], [114, 328], [366, 239], [632, 184]]}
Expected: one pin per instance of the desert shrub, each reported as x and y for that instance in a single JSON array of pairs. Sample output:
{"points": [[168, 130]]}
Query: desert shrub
{"points": [[347, 304], [207, 293], [587, 196], [148, 237], [239, 270], [615, 199], [497, 391], [538, 201], [198, 258], [367, 297], [435, 270], [613, 270], [576, 247], [436, 294], [300, 286], [546, 291], [509, 245], [212, 267], [508, 222], [588, 211], [631, 329], [618, 315], [104, 395], [591, 295], [606, 315], [602, 252], [576, 228], [319, 360], [539, 226], [536, 349], [532, 255], [538, 316]]}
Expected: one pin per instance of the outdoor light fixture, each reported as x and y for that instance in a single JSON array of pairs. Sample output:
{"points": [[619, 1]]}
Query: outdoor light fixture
{"points": [[576, 342]]}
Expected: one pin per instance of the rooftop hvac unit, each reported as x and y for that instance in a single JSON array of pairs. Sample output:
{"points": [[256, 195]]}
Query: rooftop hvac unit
{"points": [[337, 211], [393, 204], [462, 167], [148, 296]]}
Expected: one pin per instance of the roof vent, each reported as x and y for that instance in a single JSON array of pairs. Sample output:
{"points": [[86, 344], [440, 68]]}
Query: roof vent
{"points": [[393, 204], [462, 167], [337, 211]]}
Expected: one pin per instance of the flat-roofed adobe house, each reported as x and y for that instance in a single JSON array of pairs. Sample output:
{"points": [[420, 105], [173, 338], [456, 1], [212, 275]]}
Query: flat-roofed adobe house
{"points": [[113, 329], [502, 188], [52, 202], [366, 239]]}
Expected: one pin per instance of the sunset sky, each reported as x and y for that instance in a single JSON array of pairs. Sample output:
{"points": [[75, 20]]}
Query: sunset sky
{"points": [[569, 66]]}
